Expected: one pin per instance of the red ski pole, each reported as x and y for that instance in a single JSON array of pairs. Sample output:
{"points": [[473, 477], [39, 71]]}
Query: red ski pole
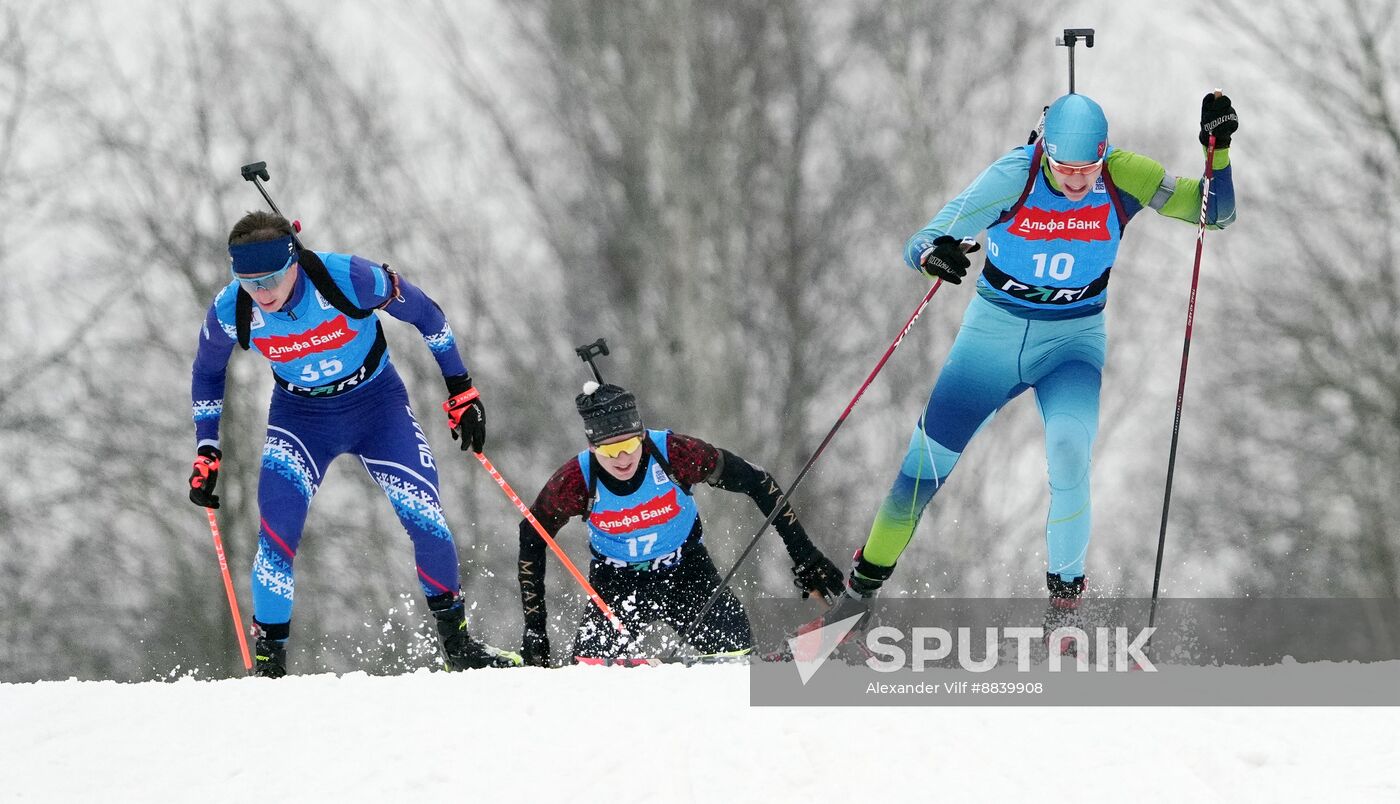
{"points": [[1181, 382], [553, 545], [228, 589]]}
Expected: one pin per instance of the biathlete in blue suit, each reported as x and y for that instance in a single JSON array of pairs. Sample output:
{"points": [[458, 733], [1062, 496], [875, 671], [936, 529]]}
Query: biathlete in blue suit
{"points": [[313, 315], [1054, 213]]}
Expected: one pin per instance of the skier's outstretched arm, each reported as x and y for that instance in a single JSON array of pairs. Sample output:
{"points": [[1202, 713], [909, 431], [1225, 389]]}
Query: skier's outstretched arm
{"points": [[995, 190], [1146, 183], [690, 457]]}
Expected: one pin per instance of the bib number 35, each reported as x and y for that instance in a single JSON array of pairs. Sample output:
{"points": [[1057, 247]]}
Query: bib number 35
{"points": [[328, 369]]}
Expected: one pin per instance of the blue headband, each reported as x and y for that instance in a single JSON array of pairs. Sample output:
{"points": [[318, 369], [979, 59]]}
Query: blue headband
{"points": [[266, 257]]}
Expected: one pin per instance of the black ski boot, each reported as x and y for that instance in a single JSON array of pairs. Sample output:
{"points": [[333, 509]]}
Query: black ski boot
{"points": [[1062, 611], [864, 581], [459, 650], [270, 649]]}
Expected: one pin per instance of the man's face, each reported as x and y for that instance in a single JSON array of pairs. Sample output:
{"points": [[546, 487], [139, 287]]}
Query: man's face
{"points": [[626, 457], [271, 291], [1075, 179]]}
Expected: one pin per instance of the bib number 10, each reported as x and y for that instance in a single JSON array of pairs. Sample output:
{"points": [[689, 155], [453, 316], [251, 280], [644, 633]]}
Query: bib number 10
{"points": [[1060, 265]]}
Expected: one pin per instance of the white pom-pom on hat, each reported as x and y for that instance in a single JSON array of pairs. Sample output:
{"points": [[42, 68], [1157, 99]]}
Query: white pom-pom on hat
{"points": [[590, 386]]}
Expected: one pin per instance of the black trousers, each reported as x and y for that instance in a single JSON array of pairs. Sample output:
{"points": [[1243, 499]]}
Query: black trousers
{"points": [[673, 596]]}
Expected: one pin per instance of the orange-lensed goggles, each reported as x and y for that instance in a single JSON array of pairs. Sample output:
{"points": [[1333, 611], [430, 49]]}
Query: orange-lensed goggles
{"points": [[618, 448], [1073, 170]]}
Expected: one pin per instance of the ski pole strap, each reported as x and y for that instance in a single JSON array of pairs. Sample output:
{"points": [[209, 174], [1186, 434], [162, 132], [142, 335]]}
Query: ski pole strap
{"points": [[204, 465], [461, 399]]}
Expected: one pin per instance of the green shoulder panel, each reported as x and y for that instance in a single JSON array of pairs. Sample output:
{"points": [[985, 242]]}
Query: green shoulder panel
{"points": [[1142, 177], [1135, 174]]}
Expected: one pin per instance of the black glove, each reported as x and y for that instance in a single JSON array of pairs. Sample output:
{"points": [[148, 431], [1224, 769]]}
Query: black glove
{"points": [[535, 648], [946, 259], [204, 476], [1218, 117], [466, 416], [814, 572]]}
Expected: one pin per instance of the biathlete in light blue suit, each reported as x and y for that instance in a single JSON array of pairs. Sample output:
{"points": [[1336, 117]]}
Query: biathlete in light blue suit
{"points": [[1054, 213]]}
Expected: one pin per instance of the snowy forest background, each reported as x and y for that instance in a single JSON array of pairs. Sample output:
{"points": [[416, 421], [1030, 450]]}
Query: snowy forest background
{"points": [[721, 189]]}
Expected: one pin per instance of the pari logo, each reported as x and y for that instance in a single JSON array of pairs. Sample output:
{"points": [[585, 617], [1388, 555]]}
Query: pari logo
{"points": [[286, 348], [1087, 224], [889, 649]]}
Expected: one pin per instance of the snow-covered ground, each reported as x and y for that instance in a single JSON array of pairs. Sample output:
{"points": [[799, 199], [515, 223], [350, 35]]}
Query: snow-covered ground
{"points": [[652, 734]]}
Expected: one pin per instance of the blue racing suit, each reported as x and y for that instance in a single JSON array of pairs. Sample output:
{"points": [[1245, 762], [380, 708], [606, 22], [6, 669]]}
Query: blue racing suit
{"points": [[336, 393]]}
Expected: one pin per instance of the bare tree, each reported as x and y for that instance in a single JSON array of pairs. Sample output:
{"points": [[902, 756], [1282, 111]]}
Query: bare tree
{"points": [[1311, 407], [720, 188], [727, 187], [38, 176], [148, 225]]}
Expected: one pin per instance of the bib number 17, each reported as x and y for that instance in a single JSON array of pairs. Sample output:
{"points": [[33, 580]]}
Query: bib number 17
{"points": [[647, 540]]}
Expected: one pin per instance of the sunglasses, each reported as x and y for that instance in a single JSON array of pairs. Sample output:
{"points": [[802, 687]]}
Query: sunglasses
{"points": [[266, 281], [620, 447], [1073, 170]]}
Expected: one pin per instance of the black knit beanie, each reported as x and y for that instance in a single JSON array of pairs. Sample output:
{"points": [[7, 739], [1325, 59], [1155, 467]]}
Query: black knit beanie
{"points": [[608, 411]]}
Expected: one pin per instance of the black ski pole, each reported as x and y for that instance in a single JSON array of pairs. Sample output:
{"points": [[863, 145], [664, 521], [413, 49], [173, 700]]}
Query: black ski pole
{"points": [[1181, 382], [968, 247]]}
